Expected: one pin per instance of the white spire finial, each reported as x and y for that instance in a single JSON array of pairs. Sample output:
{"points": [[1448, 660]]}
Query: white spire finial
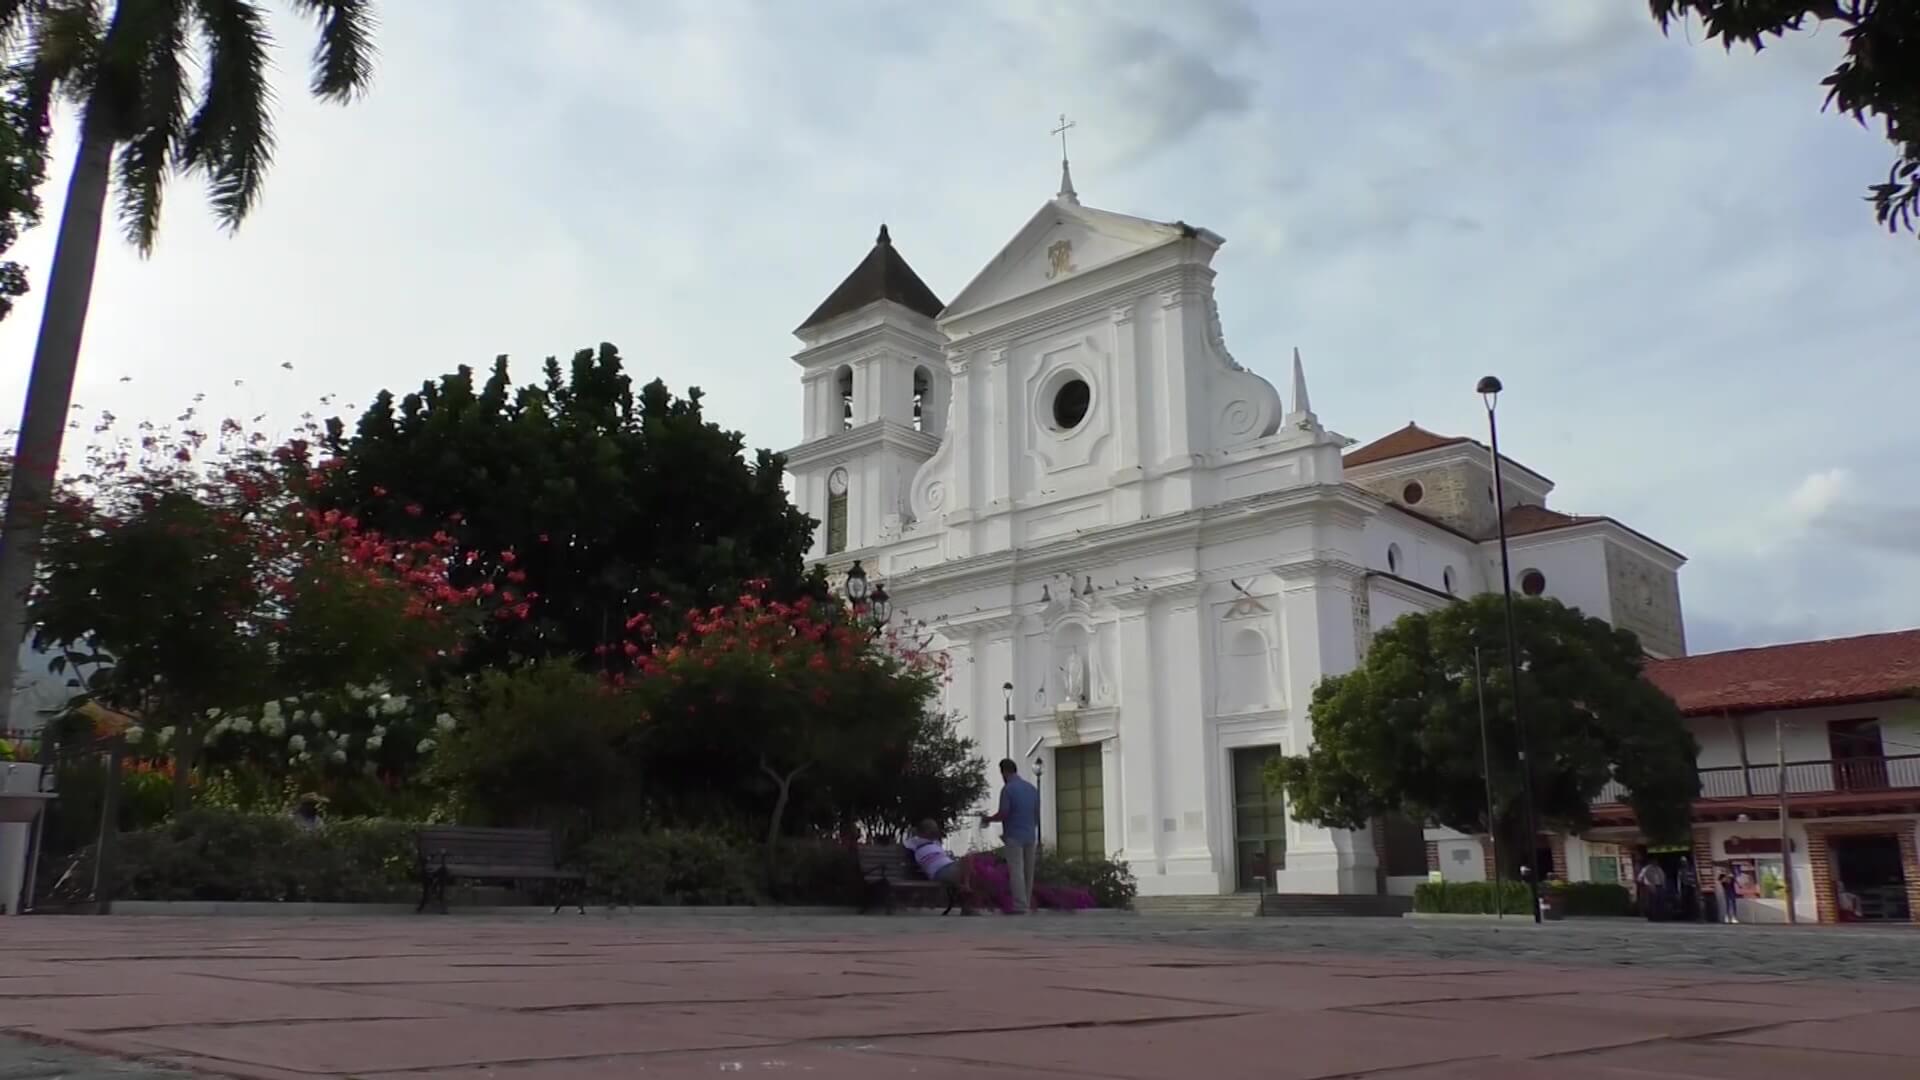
{"points": [[1067, 194], [1301, 406]]}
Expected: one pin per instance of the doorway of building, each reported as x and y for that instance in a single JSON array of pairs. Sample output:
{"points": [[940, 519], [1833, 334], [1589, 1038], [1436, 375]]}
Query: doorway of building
{"points": [[1869, 879], [1079, 803], [1859, 755], [1259, 819]]}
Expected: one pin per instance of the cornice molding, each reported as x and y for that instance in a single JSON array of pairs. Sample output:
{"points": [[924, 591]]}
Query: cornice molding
{"points": [[1316, 570], [1043, 319], [1253, 516], [868, 340], [886, 433]]}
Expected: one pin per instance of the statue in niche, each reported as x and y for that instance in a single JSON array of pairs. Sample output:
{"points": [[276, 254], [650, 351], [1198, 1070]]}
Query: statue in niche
{"points": [[1075, 674]]}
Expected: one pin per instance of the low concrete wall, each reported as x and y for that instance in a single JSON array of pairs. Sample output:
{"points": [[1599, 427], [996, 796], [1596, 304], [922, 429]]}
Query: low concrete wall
{"points": [[195, 908]]}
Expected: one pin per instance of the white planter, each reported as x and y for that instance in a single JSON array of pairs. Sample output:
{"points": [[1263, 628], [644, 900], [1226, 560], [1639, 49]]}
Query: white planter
{"points": [[21, 801]]}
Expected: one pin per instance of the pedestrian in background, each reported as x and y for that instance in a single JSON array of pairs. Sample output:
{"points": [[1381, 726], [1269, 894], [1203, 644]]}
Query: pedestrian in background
{"points": [[1019, 818]]}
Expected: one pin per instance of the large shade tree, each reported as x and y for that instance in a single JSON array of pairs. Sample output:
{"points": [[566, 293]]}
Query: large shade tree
{"points": [[160, 87], [594, 501], [1879, 76], [1401, 734]]}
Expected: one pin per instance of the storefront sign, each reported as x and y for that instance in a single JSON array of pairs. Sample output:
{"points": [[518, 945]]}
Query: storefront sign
{"points": [[1754, 845]]}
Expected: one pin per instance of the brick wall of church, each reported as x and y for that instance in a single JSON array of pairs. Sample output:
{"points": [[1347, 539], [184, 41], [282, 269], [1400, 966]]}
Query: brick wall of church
{"points": [[1454, 494], [1646, 600]]}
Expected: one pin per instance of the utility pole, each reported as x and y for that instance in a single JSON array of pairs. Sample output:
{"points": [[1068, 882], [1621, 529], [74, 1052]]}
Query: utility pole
{"points": [[1486, 766], [1780, 792]]}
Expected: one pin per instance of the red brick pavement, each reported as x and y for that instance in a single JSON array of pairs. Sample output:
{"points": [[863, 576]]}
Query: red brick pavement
{"points": [[530, 999]]}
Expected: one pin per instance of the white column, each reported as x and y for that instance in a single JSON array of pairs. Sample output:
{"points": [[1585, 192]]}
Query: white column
{"points": [[999, 479], [1317, 609], [1186, 741], [1132, 419], [1139, 787]]}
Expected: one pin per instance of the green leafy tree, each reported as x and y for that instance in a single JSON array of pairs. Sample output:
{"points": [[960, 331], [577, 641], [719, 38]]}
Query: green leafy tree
{"points": [[1402, 732], [188, 593], [23, 165], [541, 745], [934, 772], [1880, 75], [766, 702], [592, 502], [172, 86]]}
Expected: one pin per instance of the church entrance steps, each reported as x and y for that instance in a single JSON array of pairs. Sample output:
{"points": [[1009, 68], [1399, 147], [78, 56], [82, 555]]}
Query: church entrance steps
{"points": [[1239, 905], [1312, 905]]}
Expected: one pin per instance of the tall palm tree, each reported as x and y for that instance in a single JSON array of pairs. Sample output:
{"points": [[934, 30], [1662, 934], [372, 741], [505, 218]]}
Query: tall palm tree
{"points": [[129, 66]]}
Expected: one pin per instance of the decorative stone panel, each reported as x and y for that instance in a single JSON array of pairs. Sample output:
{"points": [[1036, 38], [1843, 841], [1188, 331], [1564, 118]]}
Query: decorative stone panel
{"points": [[1645, 598]]}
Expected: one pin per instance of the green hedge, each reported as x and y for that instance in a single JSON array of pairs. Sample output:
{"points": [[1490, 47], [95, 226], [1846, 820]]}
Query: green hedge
{"points": [[670, 867], [222, 855], [1470, 898], [1596, 898], [210, 854]]}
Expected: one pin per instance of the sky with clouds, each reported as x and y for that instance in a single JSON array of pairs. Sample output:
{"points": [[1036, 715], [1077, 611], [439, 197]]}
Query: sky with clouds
{"points": [[1659, 247]]}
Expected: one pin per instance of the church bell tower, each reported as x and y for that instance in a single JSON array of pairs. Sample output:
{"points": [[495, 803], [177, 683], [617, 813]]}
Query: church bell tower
{"points": [[874, 384]]}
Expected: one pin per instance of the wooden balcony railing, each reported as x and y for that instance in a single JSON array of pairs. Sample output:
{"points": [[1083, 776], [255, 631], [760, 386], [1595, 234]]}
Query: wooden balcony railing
{"points": [[1828, 777]]}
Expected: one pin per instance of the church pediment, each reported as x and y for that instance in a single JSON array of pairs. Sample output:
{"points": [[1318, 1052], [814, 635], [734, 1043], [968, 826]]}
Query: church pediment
{"points": [[1063, 242]]}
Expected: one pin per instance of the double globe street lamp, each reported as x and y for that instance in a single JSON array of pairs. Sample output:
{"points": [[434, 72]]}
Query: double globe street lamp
{"points": [[869, 600]]}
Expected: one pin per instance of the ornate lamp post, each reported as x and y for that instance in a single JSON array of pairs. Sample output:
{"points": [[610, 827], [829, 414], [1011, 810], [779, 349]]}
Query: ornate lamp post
{"points": [[869, 601], [1489, 390], [1007, 718], [856, 585]]}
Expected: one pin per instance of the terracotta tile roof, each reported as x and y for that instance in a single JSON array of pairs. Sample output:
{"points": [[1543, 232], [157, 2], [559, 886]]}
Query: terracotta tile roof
{"points": [[1408, 440], [1526, 518], [1836, 671], [882, 275]]}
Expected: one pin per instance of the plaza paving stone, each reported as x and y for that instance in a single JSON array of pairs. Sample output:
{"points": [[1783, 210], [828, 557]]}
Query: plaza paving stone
{"points": [[675, 995]]}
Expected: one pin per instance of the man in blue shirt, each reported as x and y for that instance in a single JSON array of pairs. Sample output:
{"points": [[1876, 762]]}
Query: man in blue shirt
{"points": [[1019, 818]]}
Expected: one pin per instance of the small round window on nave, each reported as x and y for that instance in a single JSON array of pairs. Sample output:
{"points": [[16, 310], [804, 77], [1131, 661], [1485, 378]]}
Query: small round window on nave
{"points": [[1412, 493], [1533, 582], [1070, 404]]}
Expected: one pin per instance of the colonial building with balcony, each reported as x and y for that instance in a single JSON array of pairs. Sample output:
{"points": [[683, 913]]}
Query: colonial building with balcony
{"points": [[1826, 731]]}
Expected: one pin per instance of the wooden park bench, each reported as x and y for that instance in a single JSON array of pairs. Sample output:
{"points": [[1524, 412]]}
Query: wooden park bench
{"points": [[888, 872], [468, 853]]}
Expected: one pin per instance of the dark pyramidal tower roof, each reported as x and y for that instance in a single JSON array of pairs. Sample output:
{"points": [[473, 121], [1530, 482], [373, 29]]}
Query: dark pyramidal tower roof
{"points": [[882, 275]]}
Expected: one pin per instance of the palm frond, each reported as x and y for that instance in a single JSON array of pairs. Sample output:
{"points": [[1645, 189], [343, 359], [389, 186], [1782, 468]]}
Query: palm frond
{"points": [[156, 123], [16, 21], [230, 137], [343, 58], [61, 53]]}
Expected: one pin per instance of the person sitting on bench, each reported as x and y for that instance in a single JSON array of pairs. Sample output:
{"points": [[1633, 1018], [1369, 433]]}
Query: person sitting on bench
{"points": [[939, 864]]}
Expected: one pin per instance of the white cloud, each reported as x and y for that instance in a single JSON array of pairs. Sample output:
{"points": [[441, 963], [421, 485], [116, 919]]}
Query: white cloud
{"points": [[1659, 247]]}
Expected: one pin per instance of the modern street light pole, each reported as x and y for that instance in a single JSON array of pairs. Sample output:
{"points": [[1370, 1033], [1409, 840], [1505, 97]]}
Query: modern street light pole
{"points": [[1489, 389], [1486, 765]]}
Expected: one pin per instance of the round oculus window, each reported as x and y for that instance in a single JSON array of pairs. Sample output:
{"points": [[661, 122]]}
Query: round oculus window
{"points": [[1412, 493], [1533, 582], [1071, 400]]}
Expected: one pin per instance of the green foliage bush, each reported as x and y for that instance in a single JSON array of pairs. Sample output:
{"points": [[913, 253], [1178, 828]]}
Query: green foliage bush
{"points": [[816, 872], [1470, 898], [1109, 880], [670, 866], [1594, 898], [220, 855]]}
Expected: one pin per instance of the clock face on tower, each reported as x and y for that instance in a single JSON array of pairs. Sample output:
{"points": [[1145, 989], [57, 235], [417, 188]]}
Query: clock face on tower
{"points": [[837, 482]]}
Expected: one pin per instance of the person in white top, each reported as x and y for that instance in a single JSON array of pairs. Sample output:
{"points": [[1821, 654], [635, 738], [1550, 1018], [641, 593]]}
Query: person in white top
{"points": [[939, 864]]}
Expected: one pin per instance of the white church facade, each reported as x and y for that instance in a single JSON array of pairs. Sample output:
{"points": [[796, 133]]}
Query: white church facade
{"points": [[1067, 483]]}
